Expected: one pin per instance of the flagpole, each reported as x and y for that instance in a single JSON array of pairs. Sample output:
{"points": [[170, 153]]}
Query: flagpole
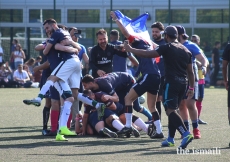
{"points": [[169, 10], [111, 9]]}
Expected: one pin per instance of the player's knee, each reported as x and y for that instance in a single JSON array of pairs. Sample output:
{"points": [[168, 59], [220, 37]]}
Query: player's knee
{"points": [[67, 94]]}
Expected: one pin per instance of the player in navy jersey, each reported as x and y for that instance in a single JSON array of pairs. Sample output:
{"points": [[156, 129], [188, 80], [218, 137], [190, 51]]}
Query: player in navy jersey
{"points": [[188, 106], [45, 74], [178, 69], [120, 65], [69, 68], [90, 115], [158, 27], [149, 81]]}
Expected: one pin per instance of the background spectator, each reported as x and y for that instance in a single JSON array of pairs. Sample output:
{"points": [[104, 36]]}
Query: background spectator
{"points": [[5, 71], [12, 49], [18, 55], [215, 63], [22, 77], [1, 55], [30, 63], [38, 74]]}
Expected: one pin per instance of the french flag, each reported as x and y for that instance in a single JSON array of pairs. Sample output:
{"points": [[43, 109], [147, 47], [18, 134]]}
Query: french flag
{"points": [[136, 27]]}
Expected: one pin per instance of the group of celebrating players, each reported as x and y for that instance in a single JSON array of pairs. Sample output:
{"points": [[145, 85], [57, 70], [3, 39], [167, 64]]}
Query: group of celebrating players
{"points": [[109, 100]]}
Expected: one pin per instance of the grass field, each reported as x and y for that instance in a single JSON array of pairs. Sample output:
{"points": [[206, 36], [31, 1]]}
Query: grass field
{"points": [[21, 139]]}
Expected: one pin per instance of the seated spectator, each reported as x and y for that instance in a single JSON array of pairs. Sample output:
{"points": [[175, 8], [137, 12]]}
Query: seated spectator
{"points": [[22, 77], [26, 68], [38, 74], [30, 63], [5, 71]]}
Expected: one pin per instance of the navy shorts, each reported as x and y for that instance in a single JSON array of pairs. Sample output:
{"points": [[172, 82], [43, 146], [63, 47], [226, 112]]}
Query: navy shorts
{"points": [[93, 119], [147, 83], [54, 93], [108, 112], [201, 90], [173, 94]]}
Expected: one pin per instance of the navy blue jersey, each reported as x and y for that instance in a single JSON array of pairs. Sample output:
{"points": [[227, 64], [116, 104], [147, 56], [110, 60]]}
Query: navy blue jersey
{"points": [[161, 62], [119, 63], [46, 72], [114, 82], [146, 65], [57, 37], [53, 58]]}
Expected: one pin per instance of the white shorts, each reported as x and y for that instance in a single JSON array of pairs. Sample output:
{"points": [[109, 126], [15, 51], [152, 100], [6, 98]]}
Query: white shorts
{"points": [[69, 69]]}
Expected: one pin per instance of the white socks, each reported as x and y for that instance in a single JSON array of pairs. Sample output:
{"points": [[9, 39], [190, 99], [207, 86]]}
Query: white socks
{"points": [[157, 123], [117, 124], [64, 116], [141, 124], [128, 117]]}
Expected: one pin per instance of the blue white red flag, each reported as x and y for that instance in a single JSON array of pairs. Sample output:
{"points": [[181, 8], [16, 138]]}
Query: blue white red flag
{"points": [[136, 26]]}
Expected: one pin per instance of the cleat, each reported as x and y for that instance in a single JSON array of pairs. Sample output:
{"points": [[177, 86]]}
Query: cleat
{"points": [[100, 110], [158, 135], [185, 141], [125, 130], [151, 130], [109, 133], [166, 143], [135, 132], [32, 102], [60, 137], [66, 131], [51, 133], [196, 133], [201, 122], [45, 132]]}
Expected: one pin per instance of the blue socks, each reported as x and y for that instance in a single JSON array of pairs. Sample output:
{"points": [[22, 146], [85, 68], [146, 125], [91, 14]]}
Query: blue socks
{"points": [[195, 124], [147, 113]]}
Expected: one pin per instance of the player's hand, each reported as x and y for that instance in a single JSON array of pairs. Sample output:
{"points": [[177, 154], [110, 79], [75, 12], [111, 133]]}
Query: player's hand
{"points": [[79, 116], [101, 73], [190, 93], [105, 98], [226, 85], [204, 70], [113, 15], [127, 46]]}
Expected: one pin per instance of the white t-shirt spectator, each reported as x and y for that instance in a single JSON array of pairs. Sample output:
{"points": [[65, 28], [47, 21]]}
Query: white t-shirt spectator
{"points": [[1, 53], [18, 59], [22, 75]]}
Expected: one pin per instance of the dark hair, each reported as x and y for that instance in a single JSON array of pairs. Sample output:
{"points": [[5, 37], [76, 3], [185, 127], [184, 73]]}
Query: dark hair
{"points": [[171, 36], [87, 79], [50, 21], [62, 26], [101, 32], [196, 36], [114, 32], [158, 25], [87, 92], [15, 40], [70, 28], [38, 58], [216, 43]]}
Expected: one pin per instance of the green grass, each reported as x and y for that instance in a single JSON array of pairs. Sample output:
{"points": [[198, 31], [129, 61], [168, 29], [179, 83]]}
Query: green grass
{"points": [[21, 139]]}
